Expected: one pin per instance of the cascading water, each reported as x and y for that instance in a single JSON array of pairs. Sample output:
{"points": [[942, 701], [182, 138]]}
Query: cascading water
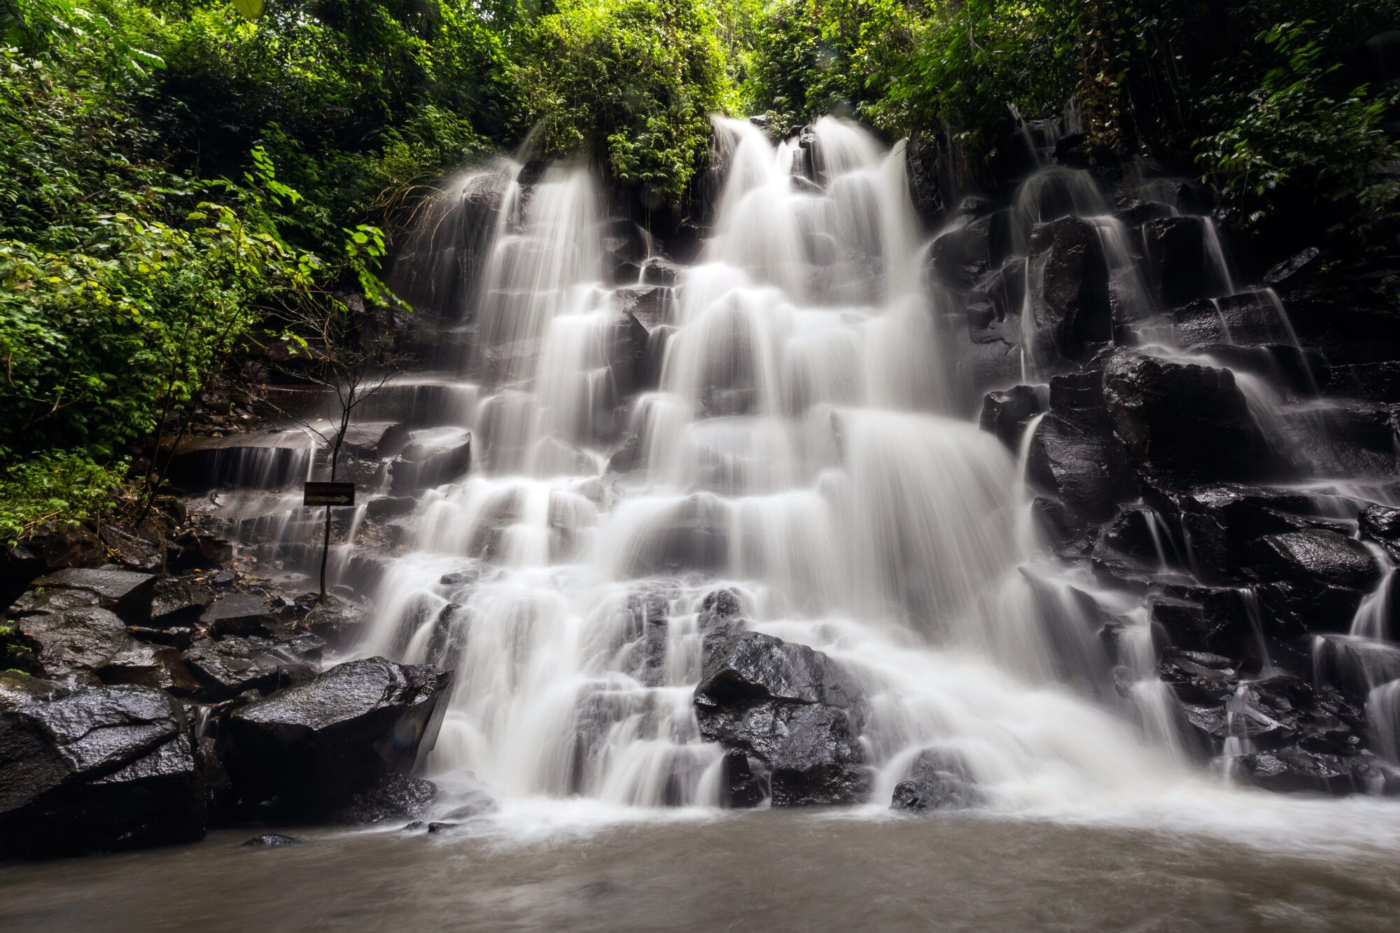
{"points": [[793, 449]]}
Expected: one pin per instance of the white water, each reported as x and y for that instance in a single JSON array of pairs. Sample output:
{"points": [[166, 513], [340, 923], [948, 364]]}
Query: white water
{"points": [[799, 448], [794, 449]]}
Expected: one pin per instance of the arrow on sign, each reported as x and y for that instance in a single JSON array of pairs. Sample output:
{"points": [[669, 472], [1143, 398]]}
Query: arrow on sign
{"points": [[328, 494]]}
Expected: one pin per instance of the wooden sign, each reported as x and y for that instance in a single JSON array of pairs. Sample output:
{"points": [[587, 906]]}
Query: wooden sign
{"points": [[328, 494]]}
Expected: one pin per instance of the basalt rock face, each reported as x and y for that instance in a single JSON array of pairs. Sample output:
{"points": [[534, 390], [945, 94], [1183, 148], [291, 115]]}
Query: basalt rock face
{"points": [[791, 711], [98, 768], [1076, 455], [347, 732], [1070, 305], [1183, 422]]}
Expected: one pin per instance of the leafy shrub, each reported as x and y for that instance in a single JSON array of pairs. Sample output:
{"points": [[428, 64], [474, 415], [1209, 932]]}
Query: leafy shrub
{"points": [[633, 81], [57, 485]]}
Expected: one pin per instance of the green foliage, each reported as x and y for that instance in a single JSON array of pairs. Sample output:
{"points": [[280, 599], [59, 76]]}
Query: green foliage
{"points": [[56, 484], [631, 80], [1291, 136]]}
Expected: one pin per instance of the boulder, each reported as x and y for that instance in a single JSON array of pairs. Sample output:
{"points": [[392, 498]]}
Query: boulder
{"points": [[422, 467], [70, 645], [789, 708], [1075, 455], [1181, 259], [100, 768], [966, 250], [177, 603], [1293, 770], [1068, 282], [148, 665], [242, 614], [1319, 558], [1247, 318], [739, 788], [1182, 422], [1295, 272], [133, 550], [318, 744], [659, 270], [995, 303], [625, 347], [225, 668], [124, 592], [52, 546], [1005, 414], [20, 689], [937, 780], [1381, 525], [391, 797]]}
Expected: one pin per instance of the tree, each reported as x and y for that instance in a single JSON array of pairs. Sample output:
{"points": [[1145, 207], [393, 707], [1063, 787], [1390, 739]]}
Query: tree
{"points": [[337, 344]]}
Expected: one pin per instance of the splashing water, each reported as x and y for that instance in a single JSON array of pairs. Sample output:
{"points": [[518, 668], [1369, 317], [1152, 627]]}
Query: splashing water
{"points": [[795, 442]]}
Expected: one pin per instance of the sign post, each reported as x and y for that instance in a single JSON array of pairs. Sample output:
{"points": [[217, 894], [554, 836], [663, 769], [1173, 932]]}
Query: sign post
{"points": [[328, 494]]}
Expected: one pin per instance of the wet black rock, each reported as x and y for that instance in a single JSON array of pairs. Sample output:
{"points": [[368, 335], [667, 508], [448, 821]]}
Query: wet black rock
{"points": [[393, 797], [937, 780], [1248, 318], [1181, 259], [1068, 281], [994, 304], [625, 347], [1005, 414], [272, 840], [242, 614], [389, 507], [177, 603], [964, 252], [50, 547], [1075, 454], [124, 592], [790, 709], [1184, 423], [1382, 525], [420, 467], [100, 768], [19, 689], [1291, 770], [739, 788], [316, 744], [148, 665], [133, 550], [1297, 271], [70, 645], [226, 667], [337, 621], [659, 270], [1317, 558]]}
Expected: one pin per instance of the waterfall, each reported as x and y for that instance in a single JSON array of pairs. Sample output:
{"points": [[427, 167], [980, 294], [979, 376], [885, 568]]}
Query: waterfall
{"points": [[794, 443]]}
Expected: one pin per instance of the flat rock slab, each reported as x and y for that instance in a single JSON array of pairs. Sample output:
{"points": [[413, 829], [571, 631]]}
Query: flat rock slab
{"points": [[241, 614], [125, 592]]}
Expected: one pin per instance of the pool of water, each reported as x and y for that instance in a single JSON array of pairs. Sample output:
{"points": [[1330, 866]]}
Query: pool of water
{"points": [[1255, 864]]}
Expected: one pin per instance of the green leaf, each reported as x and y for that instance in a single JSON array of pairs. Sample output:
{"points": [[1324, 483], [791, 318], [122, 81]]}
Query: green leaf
{"points": [[249, 9]]}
